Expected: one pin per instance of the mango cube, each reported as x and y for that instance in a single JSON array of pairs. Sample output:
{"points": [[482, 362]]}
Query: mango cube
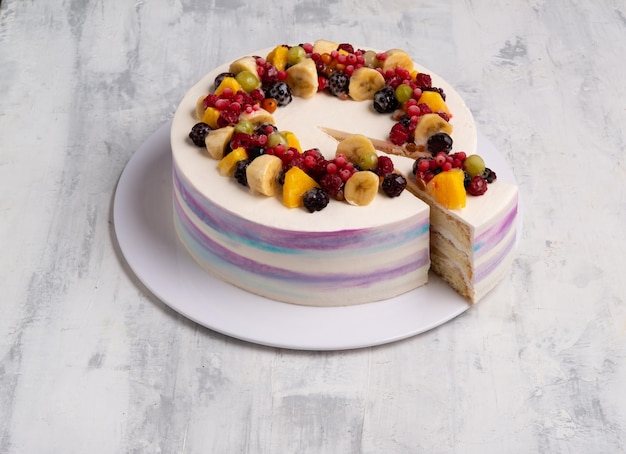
{"points": [[297, 182], [447, 189]]}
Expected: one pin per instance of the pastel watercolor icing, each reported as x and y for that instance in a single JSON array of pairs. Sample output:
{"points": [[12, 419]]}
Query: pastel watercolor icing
{"points": [[342, 255]]}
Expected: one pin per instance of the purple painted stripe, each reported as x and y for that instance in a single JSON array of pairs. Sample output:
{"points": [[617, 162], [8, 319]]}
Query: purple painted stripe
{"points": [[493, 235], [286, 241], [487, 268], [223, 258]]}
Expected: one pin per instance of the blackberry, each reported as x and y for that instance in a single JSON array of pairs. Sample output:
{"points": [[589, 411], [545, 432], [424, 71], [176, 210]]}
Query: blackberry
{"points": [[281, 93], [393, 184], [466, 179], [315, 199], [338, 84], [220, 77], [255, 152], [240, 171], [489, 175], [405, 121], [385, 100], [198, 133], [439, 142]]}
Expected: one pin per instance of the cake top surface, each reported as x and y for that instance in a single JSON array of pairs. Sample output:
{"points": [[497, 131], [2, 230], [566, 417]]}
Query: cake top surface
{"points": [[305, 118]]}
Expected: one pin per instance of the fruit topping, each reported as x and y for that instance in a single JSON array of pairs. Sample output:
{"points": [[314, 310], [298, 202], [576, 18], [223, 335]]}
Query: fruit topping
{"points": [[385, 100], [302, 78], [434, 100], [447, 189], [477, 185], [361, 188], [439, 142], [296, 184], [228, 163], [198, 133], [248, 80], [384, 166], [262, 174], [474, 165], [218, 140], [393, 184], [364, 83], [339, 84], [315, 199], [240, 173], [281, 93]]}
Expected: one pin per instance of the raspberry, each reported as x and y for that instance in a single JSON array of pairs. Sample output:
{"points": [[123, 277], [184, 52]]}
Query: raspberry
{"points": [[227, 118], [338, 84], [393, 184], [385, 100], [423, 81], [384, 166], [198, 133], [331, 183], [315, 199], [347, 47], [281, 93], [477, 186], [399, 134]]}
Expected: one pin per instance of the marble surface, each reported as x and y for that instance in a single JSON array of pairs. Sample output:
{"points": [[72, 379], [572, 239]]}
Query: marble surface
{"points": [[90, 361]]}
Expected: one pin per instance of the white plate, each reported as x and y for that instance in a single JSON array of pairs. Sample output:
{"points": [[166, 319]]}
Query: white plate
{"points": [[144, 227]]}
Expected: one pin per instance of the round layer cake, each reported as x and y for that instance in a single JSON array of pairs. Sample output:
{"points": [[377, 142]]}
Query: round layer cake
{"points": [[342, 255]]}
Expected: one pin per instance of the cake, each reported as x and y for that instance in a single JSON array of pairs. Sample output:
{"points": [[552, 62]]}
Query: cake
{"points": [[347, 253]]}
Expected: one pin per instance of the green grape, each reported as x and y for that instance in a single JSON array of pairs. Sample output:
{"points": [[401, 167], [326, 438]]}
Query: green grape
{"points": [[370, 59], [403, 93], [244, 126], [367, 160], [474, 165], [276, 138], [247, 80], [295, 55]]}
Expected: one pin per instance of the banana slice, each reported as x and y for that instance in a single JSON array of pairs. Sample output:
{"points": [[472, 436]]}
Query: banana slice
{"points": [[323, 46], [361, 188], [243, 64], [431, 124], [302, 78], [364, 83], [257, 117], [200, 107], [262, 174], [217, 141], [354, 146], [398, 57]]}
